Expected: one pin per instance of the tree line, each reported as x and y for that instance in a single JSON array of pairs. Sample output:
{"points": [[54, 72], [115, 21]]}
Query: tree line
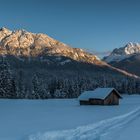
{"points": [[41, 87]]}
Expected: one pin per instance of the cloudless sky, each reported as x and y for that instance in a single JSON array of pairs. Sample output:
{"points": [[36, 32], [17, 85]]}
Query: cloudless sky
{"points": [[94, 25]]}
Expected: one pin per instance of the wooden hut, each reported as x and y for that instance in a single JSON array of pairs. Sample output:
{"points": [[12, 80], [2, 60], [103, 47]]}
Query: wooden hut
{"points": [[100, 96]]}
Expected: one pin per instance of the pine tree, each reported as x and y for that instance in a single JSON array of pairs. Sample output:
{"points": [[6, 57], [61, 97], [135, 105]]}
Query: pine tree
{"points": [[7, 83], [36, 87], [20, 85]]}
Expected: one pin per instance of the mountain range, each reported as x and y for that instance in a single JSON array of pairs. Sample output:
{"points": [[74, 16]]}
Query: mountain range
{"points": [[27, 46], [56, 66], [21, 43]]}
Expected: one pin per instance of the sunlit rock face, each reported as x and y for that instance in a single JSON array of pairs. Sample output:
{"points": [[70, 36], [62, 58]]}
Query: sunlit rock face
{"points": [[22, 43], [30, 54]]}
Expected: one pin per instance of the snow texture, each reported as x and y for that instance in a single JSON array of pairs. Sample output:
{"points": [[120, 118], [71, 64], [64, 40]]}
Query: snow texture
{"points": [[97, 131], [64, 118], [64, 62], [116, 58], [99, 93]]}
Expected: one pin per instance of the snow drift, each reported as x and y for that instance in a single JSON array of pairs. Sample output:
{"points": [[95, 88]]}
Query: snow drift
{"points": [[103, 130]]}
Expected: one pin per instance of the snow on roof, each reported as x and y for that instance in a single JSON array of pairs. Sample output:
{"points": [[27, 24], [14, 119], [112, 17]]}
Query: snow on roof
{"points": [[98, 93]]}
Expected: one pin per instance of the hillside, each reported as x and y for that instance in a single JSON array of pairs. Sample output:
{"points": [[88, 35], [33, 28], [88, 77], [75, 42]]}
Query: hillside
{"points": [[43, 67]]}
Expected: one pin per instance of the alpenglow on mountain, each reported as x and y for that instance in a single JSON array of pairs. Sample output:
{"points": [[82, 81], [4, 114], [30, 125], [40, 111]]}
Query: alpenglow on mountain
{"points": [[21, 43], [25, 49], [127, 51], [42, 67]]}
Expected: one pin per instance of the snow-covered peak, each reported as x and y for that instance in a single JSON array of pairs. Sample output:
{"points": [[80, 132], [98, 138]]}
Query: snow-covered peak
{"points": [[132, 48], [129, 48], [119, 54]]}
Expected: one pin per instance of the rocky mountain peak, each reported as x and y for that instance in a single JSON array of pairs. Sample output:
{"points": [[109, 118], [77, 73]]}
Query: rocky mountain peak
{"points": [[4, 29], [4, 32], [131, 48], [21, 43], [119, 54]]}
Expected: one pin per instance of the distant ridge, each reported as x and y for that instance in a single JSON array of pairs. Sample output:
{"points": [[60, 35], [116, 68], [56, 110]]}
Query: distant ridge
{"points": [[22, 43], [119, 54], [126, 58]]}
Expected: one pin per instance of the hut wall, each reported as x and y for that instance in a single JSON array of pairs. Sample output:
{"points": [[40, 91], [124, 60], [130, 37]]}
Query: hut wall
{"points": [[111, 99], [96, 101]]}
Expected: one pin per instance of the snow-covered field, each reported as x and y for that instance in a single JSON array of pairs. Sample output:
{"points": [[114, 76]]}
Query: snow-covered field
{"points": [[65, 119]]}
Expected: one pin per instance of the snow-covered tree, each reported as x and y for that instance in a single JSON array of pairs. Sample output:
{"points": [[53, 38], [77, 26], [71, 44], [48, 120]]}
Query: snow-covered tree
{"points": [[7, 83], [36, 87], [20, 85]]}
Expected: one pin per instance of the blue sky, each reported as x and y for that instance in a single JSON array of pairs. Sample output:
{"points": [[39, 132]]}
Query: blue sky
{"points": [[94, 25]]}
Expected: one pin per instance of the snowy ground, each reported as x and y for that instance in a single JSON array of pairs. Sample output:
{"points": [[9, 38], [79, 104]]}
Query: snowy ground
{"points": [[65, 119]]}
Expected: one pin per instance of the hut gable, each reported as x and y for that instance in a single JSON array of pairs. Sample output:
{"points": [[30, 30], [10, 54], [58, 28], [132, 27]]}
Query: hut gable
{"points": [[100, 96]]}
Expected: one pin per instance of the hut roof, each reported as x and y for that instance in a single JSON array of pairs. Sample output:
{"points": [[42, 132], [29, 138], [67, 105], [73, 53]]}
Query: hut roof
{"points": [[98, 93]]}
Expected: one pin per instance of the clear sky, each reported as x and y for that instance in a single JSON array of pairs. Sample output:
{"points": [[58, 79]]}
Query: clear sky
{"points": [[94, 25]]}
